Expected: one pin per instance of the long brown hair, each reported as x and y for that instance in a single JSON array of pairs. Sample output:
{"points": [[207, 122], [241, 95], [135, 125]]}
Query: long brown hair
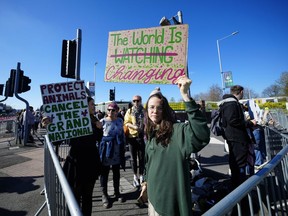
{"points": [[164, 132]]}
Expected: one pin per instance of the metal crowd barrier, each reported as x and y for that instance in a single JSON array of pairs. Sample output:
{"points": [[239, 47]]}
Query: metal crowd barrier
{"points": [[60, 199], [274, 141], [9, 131], [281, 118], [266, 192]]}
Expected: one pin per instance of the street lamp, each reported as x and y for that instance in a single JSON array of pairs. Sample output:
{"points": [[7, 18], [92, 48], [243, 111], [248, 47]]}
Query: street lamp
{"points": [[164, 21], [219, 57], [95, 81]]}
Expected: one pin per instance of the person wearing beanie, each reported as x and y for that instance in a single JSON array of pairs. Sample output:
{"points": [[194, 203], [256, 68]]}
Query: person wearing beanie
{"points": [[169, 144], [155, 91], [112, 152]]}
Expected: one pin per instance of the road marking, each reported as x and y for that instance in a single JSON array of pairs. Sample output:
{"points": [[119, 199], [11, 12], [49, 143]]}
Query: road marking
{"points": [[213, 140]]}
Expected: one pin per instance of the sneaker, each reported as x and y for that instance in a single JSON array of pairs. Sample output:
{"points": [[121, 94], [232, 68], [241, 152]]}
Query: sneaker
{"points": [[119, 197], [141, 179], [136, 183], [105, 201]]}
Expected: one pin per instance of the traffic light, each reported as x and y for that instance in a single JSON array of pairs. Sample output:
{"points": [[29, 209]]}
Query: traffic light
{"points": [[112, 95], [9, 88], [23, 84], [1, 89], [68, 62]]}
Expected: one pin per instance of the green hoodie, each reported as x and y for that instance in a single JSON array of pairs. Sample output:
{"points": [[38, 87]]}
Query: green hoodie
{"points": [[167, 167]]}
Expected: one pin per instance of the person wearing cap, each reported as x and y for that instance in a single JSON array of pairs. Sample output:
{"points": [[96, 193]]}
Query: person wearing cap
{"points": [[112, 152], [168, 148], [134, 120]]}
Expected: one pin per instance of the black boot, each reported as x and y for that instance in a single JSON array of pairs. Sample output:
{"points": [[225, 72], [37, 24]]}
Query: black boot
{"points": [[119, 197]]}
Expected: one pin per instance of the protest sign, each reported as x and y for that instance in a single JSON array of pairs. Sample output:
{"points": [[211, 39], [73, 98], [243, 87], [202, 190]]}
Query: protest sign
{"points": [[67, 107], [153, 55]]}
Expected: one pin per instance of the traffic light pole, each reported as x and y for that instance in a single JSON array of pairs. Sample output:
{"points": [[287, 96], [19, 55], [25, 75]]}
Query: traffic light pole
{"points": [[78, 59], [22, 99], [78, 53]]}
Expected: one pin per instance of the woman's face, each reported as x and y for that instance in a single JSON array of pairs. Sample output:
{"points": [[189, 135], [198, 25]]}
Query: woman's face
{"points": [[91, 107], [155, 110], [112, 113]]}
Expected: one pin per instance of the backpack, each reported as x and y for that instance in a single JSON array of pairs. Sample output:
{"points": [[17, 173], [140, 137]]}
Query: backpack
{"points": [[216, 126]]}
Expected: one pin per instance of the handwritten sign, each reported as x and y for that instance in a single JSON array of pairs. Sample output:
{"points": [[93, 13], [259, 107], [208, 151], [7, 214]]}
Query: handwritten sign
{"points": [[67, 107], [153, 55]]}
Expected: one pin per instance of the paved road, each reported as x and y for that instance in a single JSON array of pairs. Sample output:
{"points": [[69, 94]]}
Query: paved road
{"points": [[21, 180]]}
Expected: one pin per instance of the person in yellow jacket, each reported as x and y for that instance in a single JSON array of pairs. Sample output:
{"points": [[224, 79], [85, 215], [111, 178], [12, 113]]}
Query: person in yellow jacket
{"points": [[134, 120]]}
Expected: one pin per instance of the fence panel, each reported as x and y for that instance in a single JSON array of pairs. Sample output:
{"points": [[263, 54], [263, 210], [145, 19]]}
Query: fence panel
{"points": [[60, 199], [9, 131], [266, 192]]}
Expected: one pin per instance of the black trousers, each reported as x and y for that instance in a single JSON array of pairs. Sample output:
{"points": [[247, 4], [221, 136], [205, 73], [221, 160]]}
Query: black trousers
{"points": [[116, 178], [137, 149], [240, 169], [83, 194]]}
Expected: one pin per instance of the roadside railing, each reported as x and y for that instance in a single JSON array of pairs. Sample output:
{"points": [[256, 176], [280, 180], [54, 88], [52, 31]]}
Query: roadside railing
{"points": [[60, 199], [280, 118], [274, 141], [266, 192], [9, 131]]}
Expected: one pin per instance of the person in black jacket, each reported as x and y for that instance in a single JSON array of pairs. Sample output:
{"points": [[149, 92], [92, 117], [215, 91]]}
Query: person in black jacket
{"points": [[82, 166], [241, 154]]}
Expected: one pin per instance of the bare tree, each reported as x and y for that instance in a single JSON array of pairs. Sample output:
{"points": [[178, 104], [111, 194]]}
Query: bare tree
{"points": [[172, 99], [215, 93], [283, 82], [272, 91], [201, 96], [249, 93]]}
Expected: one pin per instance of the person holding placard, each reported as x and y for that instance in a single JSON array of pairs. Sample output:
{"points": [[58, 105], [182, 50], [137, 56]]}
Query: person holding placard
{"points": [[82, 166], [112, 150], [168, 148]]}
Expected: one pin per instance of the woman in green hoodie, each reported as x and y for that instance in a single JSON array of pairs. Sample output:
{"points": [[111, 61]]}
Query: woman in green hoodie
{"points": [[168, 148]]}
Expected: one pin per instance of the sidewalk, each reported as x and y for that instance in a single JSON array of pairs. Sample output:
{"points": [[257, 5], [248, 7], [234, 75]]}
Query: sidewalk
{"points": [[21, 179], [28, 162]]}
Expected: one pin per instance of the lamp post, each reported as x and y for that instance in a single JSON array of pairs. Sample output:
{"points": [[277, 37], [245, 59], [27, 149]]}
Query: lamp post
{"points": [[95, 81], [219, 57], [164, 21]]}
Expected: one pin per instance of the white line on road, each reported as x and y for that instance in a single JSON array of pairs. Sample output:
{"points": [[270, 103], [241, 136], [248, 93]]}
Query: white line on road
{"points": [[213, 140]]}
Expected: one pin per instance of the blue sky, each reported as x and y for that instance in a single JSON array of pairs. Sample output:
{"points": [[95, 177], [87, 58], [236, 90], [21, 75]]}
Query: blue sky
{"points": [[32, 32]]}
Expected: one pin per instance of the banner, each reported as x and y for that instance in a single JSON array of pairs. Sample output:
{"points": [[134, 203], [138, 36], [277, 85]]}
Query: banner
{"points": [[91, 86], [228, 80], [153, 55], [65, 104]]}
